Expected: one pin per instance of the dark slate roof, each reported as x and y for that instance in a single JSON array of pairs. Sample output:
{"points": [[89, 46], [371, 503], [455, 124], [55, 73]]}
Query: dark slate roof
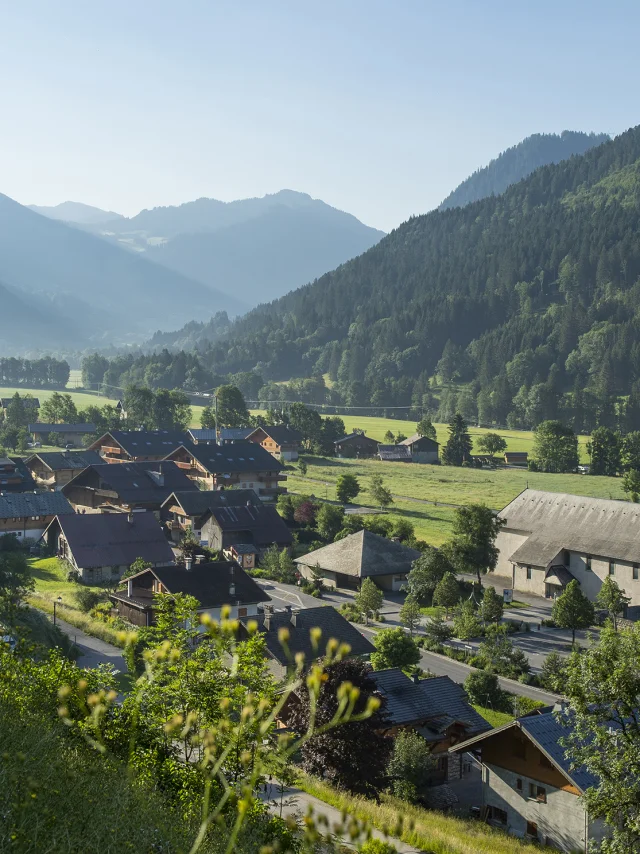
{"points": [[62, 428], [406, 703], [61, 460], [136, 483], [547, 731], [234, 457], [447, 697], [197, 502], [27, 401], [326, 618], [431, 444], [26, 483], [147, 443], [281, 434], [263, 522], [244, 549], [210, 583], [394, 452], [34, 504], [361, 555], [202, 435], [110, 539], [235, 434], [351, 436]]}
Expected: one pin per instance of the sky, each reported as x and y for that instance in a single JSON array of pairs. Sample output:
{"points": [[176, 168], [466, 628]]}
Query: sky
{"points": [[378, 107]]}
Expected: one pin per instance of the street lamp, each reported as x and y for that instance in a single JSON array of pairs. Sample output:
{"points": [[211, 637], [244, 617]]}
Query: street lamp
{"points": [[57, 601]]}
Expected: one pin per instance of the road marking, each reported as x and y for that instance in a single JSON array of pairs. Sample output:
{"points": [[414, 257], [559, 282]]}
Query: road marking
{"points": [[287, 593]]}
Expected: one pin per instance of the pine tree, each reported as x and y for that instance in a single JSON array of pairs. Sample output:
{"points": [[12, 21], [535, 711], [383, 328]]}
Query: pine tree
{"points": [[458, 447]]}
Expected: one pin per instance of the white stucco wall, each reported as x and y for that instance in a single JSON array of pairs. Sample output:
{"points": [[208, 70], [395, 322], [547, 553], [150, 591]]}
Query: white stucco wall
{"points": [[591, 581], [535, 584]]}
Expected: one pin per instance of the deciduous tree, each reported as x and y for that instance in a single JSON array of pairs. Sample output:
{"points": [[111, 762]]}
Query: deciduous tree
{"points": [[572, 610], [410, 614], [369, 598], [347, 488], [492, 443], [411, 765], [379, 492], [447, 592], [473, 546], [612, 599], [425, 428], [492, 606], [555, 447], [426, 572], [232, 410], [394, 648]]}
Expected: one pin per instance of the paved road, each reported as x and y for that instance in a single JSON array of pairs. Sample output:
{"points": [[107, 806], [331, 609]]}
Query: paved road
{"points": [[93, 651], [440, 665], [297, 803]]}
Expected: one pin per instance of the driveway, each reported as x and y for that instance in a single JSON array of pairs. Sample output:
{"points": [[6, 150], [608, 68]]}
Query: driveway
{"points": [[93, 651], [298, 804]]}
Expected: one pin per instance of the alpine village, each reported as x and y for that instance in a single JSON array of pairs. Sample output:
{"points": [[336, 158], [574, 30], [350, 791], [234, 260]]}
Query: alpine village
{"points": [[316, 538]]}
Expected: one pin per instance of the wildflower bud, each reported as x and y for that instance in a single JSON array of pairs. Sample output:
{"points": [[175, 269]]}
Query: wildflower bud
{"points": [[283, 635], [252, 627]]}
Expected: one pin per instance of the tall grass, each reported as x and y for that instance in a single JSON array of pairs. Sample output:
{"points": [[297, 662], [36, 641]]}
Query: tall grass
{"points": [[78, 619], [424, 829]]}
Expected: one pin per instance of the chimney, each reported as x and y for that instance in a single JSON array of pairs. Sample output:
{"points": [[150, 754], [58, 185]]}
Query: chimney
{"points": [[199, 559], [130, 517], [295, 614], [416, 678], [187, 564], [268, 614], [129, 587]]}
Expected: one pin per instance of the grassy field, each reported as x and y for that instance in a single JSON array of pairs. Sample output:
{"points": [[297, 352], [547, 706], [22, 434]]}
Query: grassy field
{"points": [[51, 583], [517, 440], [81, 399], [424, 491], [424, 829], [496, 719]]}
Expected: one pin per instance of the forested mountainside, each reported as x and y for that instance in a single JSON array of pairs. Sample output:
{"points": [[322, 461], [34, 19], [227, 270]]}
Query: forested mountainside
{"points": [[521, 160], [523, 297], [99, 291]]}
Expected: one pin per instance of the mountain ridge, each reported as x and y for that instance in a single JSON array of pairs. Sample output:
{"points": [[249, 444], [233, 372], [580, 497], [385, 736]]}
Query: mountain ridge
{"points": [[520, 160]]}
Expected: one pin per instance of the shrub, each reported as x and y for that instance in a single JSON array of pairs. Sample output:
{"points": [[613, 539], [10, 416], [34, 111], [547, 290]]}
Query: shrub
{"points": [[87, 599], [73, 576], [378, 846]]}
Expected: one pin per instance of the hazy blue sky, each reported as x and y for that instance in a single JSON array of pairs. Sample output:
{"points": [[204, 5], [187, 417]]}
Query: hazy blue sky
{"points": [[379, 108]]}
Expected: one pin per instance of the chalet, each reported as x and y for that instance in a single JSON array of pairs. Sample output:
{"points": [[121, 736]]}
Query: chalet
{"points": [[30, 404], [259, 525], [529, 787], [550, 538], [299, 624], [27, 514], [422, 449], [122, 446], [213, 584], [282, 441], [363, 555], [516, 458], [437, 709], [102, 545], [394, 454], [66, 434], [244, 554], [229, 435], [15, 476], [190, 509], [52, 470], [240, 464], [126, 487], [355, 444]]}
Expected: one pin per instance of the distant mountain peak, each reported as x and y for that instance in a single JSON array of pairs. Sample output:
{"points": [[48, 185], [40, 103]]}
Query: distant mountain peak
{"points": [[519, 161], [76, 212]]}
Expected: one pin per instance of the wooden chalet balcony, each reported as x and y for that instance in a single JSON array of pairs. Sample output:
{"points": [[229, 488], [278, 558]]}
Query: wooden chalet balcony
{"points": [[271, 478], [108, 449], [185, 466]]}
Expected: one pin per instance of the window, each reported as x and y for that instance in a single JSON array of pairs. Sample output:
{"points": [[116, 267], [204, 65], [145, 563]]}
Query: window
{"points": [[499, 815], [519, 784], [587, 563], [612, 568], [635, 571], [528, 573], [538, 793], [532, 829]]}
